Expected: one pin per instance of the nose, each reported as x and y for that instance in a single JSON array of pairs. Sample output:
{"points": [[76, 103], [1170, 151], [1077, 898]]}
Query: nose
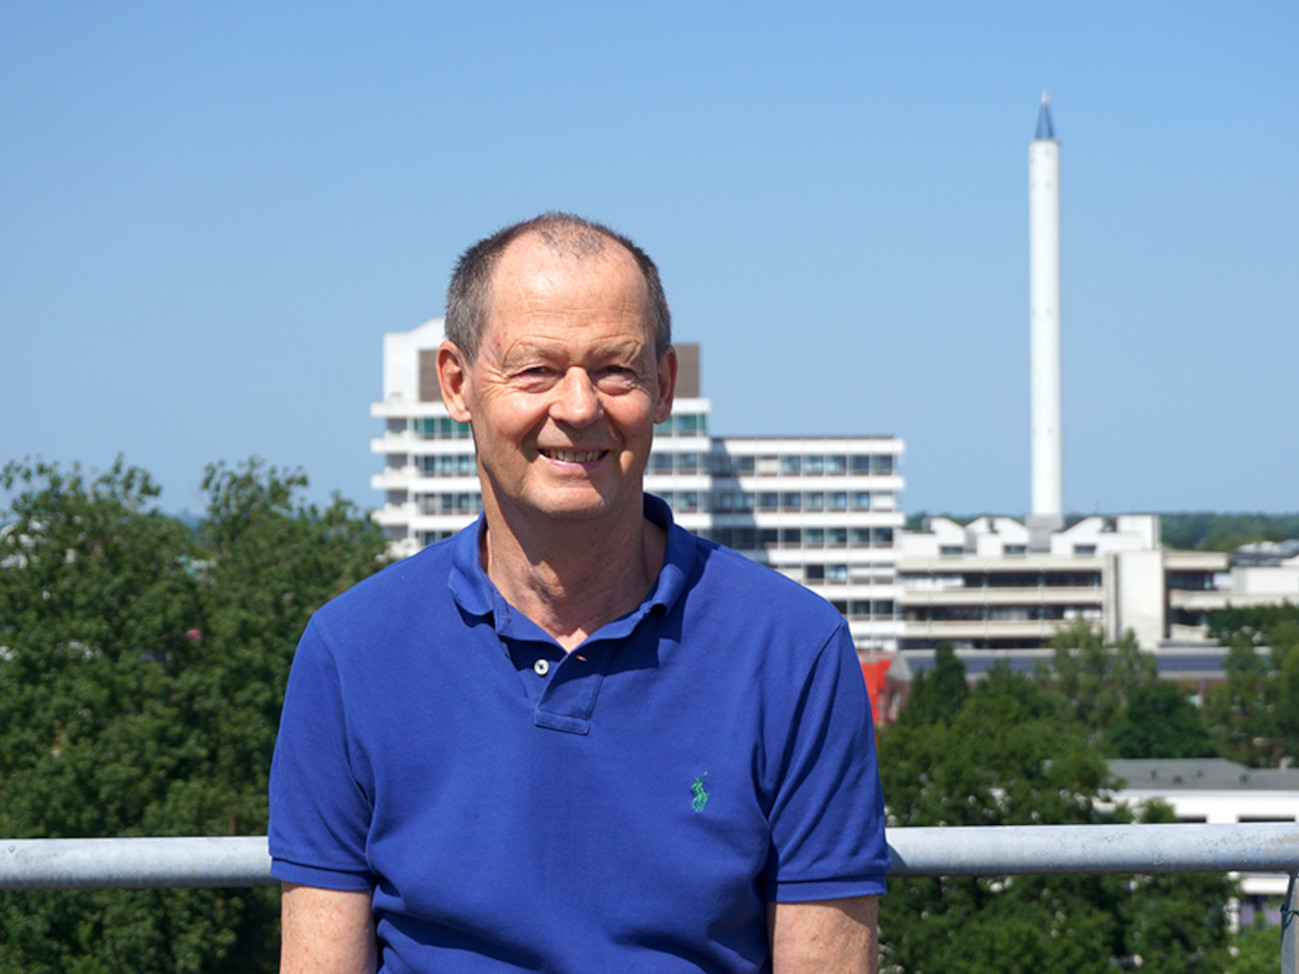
{"points": [[577, 402]]}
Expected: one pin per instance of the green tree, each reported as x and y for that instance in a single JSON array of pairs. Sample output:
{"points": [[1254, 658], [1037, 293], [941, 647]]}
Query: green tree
{"points": [[1098, 678], [141, 670], [937, 693], [1159, 722], [1253, 715]]}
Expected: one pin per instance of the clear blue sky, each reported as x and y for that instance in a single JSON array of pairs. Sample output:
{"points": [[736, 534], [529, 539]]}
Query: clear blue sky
{"points": [[210, 214]]}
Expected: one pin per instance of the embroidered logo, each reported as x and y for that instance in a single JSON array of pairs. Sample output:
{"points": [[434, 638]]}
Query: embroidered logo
{"points": [[701, 796]]}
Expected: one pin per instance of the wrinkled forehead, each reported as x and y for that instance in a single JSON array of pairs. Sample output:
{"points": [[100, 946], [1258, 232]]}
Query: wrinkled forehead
{"points": [[537, 280]]}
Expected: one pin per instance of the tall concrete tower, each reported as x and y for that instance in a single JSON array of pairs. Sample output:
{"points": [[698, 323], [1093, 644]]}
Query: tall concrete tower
{"points": [[1044, 324]]}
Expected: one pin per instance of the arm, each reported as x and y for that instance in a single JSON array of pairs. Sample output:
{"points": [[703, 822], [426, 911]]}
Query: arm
{"points": [[326, 932], [830, 937]]}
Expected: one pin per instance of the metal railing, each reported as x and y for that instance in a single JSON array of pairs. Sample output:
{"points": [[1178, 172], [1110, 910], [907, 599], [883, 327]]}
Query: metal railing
{"points": [[142, 863]]}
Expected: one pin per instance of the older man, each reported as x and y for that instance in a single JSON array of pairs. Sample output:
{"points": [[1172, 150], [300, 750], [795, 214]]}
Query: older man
{"points": [[574, 737]]}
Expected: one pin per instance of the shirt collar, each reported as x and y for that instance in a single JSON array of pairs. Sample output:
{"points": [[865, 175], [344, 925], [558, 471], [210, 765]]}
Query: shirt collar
{"points": [[474, 592]]}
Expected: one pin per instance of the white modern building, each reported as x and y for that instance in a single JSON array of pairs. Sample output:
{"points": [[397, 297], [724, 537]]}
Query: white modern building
{"points": [[821, 510]]}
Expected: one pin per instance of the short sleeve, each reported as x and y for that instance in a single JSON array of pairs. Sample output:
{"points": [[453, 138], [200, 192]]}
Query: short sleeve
{"points": [[320, 812], [827, 817]]}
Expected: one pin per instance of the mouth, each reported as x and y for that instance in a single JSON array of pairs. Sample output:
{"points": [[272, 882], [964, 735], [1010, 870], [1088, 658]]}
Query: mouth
{"points": [[573, 456]]}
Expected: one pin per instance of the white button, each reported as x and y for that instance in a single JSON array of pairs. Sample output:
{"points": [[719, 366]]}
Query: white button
{"points": [[542, 666]]}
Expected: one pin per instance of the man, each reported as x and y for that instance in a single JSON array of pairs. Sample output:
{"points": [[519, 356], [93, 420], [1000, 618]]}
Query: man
{"points": [[574, 737]]}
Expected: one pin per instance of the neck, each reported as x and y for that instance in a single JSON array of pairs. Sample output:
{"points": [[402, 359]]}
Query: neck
{"points": [[572, 577]]}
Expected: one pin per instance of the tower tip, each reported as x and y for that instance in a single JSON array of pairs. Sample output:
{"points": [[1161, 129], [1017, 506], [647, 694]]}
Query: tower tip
{"points": [[1045, 130]]}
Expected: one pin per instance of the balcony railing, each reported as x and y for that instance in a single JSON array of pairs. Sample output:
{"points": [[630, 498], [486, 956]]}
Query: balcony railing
{"points": [[140, 863]]}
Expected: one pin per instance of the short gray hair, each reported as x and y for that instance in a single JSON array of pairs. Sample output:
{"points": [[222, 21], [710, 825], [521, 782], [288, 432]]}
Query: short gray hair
{"points": [[564, 233]]}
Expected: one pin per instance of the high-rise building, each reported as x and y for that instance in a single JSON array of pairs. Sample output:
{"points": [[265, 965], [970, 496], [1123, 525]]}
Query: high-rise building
{"points": [[821, 510]]}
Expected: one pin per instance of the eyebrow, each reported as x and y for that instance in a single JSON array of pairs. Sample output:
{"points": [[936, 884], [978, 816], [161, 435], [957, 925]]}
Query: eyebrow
{"points": [[612, 349]]}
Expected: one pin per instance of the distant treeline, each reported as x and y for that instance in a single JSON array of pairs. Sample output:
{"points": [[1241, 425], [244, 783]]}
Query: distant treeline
{"points": [[1225, 532], [1193, 530]]}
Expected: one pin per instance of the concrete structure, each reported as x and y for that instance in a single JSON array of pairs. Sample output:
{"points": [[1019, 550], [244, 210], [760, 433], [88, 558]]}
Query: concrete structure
{"points": [[1219, 792], [1044, 322], [984, 587], [821, 510]]}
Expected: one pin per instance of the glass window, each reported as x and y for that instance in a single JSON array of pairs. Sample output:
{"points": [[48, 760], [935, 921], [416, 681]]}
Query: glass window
{"points": [[882, 463], [664, 428], [721, 466], [839, 500], [950, 551], [860, 609], [814, 537], [661, 462], [840, 606], [814, 501], [884, 537], [745, 501], [836, 573], [791, 501], [837, 537], [744, 465], [792, 537], [884, 608], [768, 537], [836, 463], [768, 501], [791, 463], [687, 501], [861, 500], [746, 539], [814, 573], [814, 464], [724, 500], [861, 536], [687, 462], [861, 463], [687, 424], [465, 466]]}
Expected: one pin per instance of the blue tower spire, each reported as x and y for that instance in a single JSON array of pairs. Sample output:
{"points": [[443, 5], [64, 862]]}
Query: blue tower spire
{"points": [[1045, 130]]}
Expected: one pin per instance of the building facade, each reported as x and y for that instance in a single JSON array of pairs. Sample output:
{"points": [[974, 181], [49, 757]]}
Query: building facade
{"points": [[821, 510]]}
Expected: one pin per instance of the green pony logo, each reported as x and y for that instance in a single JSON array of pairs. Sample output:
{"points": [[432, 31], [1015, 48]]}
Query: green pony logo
{"points": [[701, 796]]}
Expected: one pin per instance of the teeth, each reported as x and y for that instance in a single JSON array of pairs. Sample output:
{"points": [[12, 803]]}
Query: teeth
{"points": [[570, 457]]}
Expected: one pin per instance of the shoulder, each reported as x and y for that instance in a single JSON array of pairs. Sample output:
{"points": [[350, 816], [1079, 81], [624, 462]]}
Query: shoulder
{"points": [[404, 590], [755, 586], [729, 590]]}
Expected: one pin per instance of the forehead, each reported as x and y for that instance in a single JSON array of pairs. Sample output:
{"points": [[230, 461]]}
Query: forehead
{"points": [[536, 286]]}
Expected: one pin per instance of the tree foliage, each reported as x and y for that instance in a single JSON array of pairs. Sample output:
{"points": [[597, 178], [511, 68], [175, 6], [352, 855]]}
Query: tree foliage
{"points": [[1254, 714], [1206, 531], [142, 665]]}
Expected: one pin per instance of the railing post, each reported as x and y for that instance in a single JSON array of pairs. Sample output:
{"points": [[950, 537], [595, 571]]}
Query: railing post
{"points": [[1289, 944]]}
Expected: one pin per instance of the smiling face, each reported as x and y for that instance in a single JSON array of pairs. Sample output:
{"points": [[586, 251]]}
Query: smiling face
{"points": [[566, 387]]}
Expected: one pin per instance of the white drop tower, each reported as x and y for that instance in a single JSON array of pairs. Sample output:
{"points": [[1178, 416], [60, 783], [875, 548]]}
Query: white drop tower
{"points": [[1044, 324]]}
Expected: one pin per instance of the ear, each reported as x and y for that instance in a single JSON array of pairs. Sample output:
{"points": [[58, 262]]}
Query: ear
{"points": [[453, 377], [666, 385]]}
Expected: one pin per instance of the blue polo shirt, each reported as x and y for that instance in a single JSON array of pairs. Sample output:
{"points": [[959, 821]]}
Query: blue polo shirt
{"points": [[630, 805]]}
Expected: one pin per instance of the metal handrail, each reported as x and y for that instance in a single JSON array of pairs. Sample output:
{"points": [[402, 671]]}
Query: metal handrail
{"points": [[231, 861], [139, 863]]}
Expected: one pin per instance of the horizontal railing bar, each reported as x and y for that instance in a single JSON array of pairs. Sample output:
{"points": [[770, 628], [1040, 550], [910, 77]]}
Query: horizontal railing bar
{"points": [[144, 863], [1006, 850], [231, 861]]}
